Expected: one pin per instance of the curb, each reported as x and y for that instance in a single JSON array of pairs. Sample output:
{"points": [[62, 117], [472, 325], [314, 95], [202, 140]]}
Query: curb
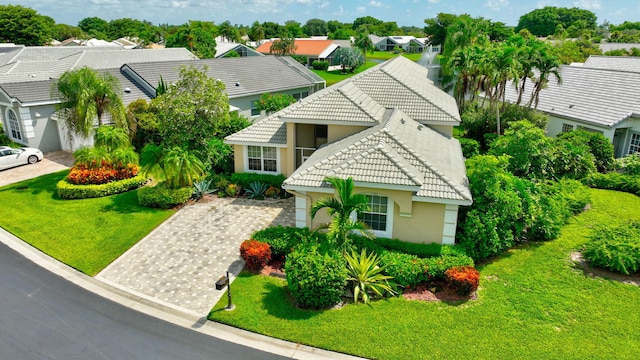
{"points": [[167, 312]]}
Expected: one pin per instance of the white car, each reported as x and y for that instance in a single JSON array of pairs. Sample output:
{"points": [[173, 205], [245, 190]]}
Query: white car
{"points": [[10, 157]]}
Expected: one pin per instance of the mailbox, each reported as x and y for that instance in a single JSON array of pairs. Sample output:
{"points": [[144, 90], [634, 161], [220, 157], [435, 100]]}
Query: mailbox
{"points": [[220, 284]]}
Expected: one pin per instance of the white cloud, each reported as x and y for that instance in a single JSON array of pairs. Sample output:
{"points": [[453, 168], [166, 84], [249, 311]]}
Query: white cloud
{"points": [[375, 3], [434, 1], [497, 4], [361, 9], [324, 5], [180, 4], [105, 2], [339, 12], [588, 4]]}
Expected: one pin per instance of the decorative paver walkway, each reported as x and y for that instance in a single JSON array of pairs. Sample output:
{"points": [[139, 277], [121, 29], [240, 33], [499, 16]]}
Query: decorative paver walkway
{"points": [[179, 262]]}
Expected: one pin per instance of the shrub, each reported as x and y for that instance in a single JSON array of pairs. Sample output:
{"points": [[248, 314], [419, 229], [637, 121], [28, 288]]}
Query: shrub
{"points": [[463, 279], [316, 276], [283, 239], [256, 190], [82, 175], [405, 269], [272, 192], [614, 181], [420, 249], [616, 249], [163, 197], [67, 190], [244, 179], [255, 253], [629, 164], [470, 147], [232, 190], [598, 145], [366, 276], [438, 265], [202, 188], [320, 65]]}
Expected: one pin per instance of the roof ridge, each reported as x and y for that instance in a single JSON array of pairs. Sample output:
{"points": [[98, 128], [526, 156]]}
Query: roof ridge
{"points": [[427, 163], [366, 110], [387, 150]]}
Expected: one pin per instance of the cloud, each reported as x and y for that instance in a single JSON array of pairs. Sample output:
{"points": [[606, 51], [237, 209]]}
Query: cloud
{"points": [[496, 4], [180, 4], [375, 3], [361, 9], [105, 2], [339, 12], [588, 4], [434, 1]]}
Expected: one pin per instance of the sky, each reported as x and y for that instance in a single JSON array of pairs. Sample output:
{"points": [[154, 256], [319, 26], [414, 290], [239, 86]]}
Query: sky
{"points": [[403, 12]]}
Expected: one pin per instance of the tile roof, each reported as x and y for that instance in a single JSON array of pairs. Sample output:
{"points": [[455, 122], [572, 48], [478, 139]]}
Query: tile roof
{"points": [[362, 99], [304, 47], [242, 76], [397, 152], [624, 63], [593, 96], [224, 47], [270, 130]]}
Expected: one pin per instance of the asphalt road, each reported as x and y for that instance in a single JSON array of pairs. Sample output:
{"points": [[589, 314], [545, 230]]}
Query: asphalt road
{"points": [[43, 316]]}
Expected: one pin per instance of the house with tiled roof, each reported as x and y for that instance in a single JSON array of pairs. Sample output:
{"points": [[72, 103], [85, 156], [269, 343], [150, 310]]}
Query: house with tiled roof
{"points": [[409, 44], [601, 95], [390, 129], [225, 49], [312, 49]]}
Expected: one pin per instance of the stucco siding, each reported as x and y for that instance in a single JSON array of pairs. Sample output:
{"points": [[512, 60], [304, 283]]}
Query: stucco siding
{"points": [[444, 129], [337, 132]]}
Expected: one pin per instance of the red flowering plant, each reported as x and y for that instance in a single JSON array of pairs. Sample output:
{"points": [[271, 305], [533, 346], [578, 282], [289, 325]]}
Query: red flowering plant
{"points": [[256, 254], [463, 279]]}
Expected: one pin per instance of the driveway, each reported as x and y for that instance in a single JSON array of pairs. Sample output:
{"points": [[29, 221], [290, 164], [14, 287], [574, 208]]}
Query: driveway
{"points": [[52, 162], [178, 263]]}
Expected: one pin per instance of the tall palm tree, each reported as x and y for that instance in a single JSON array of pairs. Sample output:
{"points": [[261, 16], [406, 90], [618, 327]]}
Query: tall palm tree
{"points": [[340, 209], [363, 42], [86, 97], [547, 64]]}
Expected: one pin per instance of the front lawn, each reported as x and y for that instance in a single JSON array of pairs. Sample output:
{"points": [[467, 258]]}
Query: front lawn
{"points": [[386, 55], [532, 304], [335, 76], [86, 234]]}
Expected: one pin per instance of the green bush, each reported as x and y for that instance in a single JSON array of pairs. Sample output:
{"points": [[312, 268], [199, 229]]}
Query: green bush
{"points": [[573, 194], [629, 164], [67, 190], [437, 265], [316, 276], [616, 249], [470, 147], [599, 146], [245, 179], [614, 181], [163, 197], [405, 269], [320, 65], [283, 239]]}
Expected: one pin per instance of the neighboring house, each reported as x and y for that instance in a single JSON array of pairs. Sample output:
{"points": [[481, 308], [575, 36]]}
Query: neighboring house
{"points": [[27, 74], [312, 49], [390, 129], [246, 78], [223, 49], [623, 63], [409, 44], [604, 47], [594, 99]]}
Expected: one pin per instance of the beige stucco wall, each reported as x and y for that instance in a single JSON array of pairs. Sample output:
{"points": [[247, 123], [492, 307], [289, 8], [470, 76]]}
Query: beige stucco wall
{"points": [[238, 158], [444, 129], [337, 132], [412, 221]]}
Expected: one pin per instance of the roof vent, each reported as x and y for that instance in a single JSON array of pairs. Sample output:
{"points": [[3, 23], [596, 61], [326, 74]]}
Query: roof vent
{"points": [[571, 106], [402, 121], [127, 90], [237, 84], [419, 127]]}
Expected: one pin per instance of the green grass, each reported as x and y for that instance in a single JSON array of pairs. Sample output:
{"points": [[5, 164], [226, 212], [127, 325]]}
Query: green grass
{"points": [[386, 55], [335, 76], [86, 234], [532, 305]]}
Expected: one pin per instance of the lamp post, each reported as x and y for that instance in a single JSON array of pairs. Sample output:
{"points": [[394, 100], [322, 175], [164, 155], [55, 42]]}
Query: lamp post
{"points": [[220, 284]]}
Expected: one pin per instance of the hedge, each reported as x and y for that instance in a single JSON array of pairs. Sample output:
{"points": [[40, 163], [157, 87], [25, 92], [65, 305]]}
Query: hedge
{"points": [[67, 190], [614, 181], [162, 197], [244, 179]]}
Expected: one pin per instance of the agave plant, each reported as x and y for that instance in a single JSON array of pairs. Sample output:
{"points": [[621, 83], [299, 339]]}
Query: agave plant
{"points": [[366, 276], [256, 190], [202, 188]]}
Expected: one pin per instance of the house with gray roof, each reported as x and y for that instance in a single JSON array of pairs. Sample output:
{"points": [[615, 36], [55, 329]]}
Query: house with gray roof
{"points": [[224, 49], [246, 78], [390, 129], [623, 63], [593, 99]]}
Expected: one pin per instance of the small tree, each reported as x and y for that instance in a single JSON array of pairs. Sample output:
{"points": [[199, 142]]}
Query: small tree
{"points": [[340, 209], [274, 102], [350, 59], [86, 96], [178, 167]]}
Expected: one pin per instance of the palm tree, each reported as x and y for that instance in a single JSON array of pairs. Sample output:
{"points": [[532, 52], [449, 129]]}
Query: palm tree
{"points": [[363, 42], [547, 64], [177, 166], [284, 46], [340, 209], [86, 97]]}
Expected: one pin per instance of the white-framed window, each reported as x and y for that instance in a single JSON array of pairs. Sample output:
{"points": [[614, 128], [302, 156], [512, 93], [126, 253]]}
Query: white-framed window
{"points": [[14, 126], [262, 159], [634, 145], [380, 215], [254, 108], [566, 128]]}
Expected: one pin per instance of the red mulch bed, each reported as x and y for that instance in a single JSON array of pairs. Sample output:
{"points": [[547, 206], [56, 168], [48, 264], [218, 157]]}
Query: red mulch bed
{"points": [[274, 268], [435, 292]]}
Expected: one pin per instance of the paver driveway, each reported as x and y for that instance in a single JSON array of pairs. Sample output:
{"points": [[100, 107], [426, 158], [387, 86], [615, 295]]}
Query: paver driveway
{"points": [[52, 162], [179, 262]]}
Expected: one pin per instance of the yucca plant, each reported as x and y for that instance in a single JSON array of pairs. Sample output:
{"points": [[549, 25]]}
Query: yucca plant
{"points": [[202, 188], [366, 276], [256, 190]]}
